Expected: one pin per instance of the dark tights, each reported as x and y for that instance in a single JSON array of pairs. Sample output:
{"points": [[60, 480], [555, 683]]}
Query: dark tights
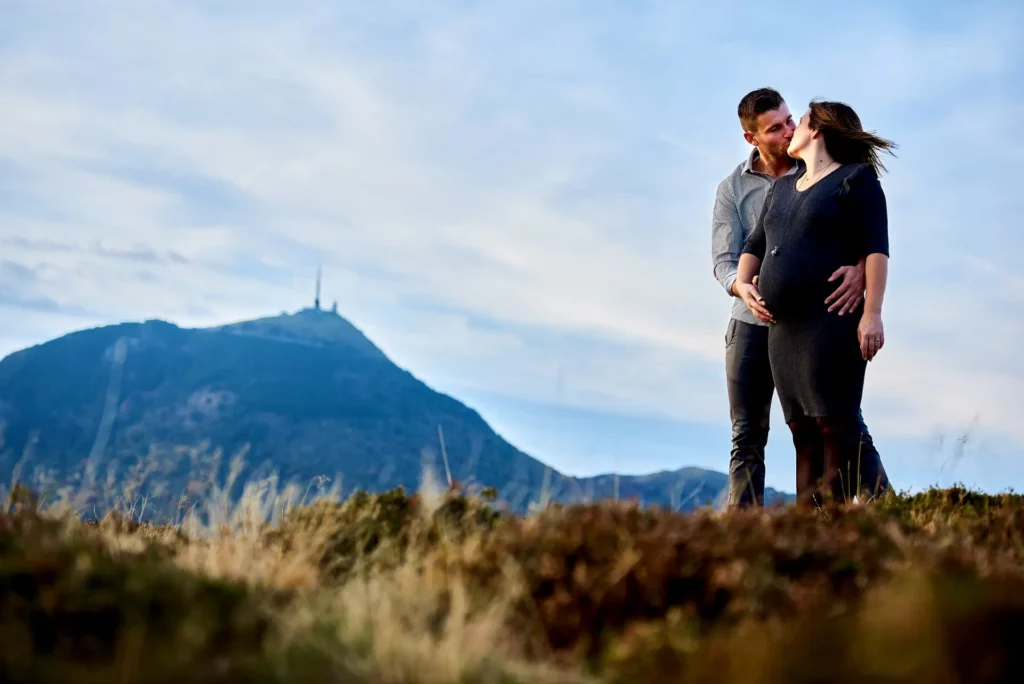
{"points": [[826, 459]]}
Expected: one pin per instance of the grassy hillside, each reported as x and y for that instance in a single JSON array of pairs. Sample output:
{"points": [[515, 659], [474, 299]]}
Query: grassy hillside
{"points": [[443, 588]]}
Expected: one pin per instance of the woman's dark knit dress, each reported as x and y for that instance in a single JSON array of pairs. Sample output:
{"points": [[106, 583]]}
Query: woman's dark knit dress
{"points": [[801, 239]]}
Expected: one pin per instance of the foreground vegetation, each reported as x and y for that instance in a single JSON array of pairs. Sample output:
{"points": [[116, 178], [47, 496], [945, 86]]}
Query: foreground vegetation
{"points": [[443, 588]]}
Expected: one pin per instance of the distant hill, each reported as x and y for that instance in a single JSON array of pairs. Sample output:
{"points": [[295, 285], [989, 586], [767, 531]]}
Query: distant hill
{"points": [[304, 395]]}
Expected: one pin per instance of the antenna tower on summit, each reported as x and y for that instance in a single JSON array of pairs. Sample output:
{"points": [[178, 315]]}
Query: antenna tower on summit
{"points": [[316, 302]]}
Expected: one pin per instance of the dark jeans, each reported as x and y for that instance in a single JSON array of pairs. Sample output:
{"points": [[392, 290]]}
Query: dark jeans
{"points": [[751, 387]]}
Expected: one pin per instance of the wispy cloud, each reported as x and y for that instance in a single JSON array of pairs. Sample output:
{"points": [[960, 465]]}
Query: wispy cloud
{"points": [[510, 197], [12, 272], [32, 245], [11, 298], [141, 254]]}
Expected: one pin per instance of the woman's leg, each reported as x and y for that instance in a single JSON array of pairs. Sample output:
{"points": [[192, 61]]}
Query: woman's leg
{"points": [[809, 454], [840, 439]]}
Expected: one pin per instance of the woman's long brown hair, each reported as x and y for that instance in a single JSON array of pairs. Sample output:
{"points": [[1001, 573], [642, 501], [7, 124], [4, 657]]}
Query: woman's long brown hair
{"points": [[845, 138]]}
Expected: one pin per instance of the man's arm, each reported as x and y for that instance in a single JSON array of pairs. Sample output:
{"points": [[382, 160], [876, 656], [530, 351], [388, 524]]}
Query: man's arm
{"points": [[726, 238]]}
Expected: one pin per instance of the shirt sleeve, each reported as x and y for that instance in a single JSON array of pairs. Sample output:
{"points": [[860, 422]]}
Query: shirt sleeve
{"points": [[726, 236], [757, 243], [868, 211]]}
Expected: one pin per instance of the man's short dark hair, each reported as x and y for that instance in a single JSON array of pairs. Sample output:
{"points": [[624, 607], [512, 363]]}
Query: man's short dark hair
{"points": [[754, 104]]}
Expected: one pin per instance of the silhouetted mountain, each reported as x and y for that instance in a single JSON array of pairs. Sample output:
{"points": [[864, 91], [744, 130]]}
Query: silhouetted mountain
{"points": [[681, 489], [303, 395]]}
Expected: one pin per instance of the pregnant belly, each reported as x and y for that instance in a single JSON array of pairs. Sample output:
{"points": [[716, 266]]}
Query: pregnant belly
{"points": [[794, 286]]}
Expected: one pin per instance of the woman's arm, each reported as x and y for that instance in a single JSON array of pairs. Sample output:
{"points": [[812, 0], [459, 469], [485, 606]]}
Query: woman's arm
{"points": [[876, 272], [870, 332], [749, 267], [871, 214]]}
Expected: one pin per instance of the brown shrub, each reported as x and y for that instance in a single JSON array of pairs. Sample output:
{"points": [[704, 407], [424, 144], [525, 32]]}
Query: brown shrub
{"points": [[928, 588]]}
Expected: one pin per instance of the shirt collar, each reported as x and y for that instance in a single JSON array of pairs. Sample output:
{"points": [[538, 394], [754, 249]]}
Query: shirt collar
{"points": [[748, 166]]}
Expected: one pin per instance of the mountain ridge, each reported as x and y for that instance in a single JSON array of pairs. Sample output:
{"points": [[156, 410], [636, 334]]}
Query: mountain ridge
{"points": [[299, 392]]}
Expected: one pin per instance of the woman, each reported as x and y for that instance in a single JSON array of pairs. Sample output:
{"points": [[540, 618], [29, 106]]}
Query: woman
{"points": [[831, 215]]}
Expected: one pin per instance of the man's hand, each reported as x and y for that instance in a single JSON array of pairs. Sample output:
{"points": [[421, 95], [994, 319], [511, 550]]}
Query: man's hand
{"points": [[850, 292], [752, 298]]}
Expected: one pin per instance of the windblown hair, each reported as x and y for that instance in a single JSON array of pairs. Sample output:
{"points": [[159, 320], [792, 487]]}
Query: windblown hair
{"points": [[845, 138], [754, 104]]}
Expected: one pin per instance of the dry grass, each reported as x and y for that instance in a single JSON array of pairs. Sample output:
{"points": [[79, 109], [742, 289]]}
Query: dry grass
{"points": [[443, 588]]}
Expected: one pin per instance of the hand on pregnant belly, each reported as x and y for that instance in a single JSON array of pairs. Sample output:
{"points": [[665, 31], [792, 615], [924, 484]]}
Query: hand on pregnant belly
{"points": [[752, 298], [850, 291]]}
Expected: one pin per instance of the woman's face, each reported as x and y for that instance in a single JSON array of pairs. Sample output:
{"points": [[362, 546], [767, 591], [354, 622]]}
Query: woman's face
{"points": [[801, 136]]}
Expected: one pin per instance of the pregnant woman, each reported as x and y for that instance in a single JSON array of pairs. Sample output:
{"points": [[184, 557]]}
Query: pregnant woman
{"points": [[832, 215]]}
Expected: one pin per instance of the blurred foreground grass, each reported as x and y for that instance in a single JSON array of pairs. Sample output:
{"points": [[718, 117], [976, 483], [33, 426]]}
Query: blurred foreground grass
{"points": [[442, 588]]}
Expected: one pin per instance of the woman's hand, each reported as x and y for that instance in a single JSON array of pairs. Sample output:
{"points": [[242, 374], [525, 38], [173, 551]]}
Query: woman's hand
{"points": [[870, 335], [752, 298]]}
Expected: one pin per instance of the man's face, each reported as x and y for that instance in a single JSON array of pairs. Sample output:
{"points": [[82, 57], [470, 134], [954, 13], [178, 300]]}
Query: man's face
{"points": [[774, 131]]}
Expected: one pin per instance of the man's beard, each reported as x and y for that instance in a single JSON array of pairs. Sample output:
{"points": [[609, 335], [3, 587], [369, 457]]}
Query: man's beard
{"points": [[780, 152]]}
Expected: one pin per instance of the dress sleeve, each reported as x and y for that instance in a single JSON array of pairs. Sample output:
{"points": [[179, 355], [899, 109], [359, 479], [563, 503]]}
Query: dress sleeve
{"points": [[757, 241], [869, 216]]}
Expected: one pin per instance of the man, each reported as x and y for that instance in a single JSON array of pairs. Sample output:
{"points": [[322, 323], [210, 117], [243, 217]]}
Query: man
{"points": [[768, 126]]}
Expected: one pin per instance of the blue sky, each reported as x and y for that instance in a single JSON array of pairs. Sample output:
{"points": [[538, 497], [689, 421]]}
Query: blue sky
{"points": [[513, 199]]}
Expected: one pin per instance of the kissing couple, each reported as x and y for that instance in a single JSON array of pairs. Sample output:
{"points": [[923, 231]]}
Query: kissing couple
{"points": [[800, 241]]}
